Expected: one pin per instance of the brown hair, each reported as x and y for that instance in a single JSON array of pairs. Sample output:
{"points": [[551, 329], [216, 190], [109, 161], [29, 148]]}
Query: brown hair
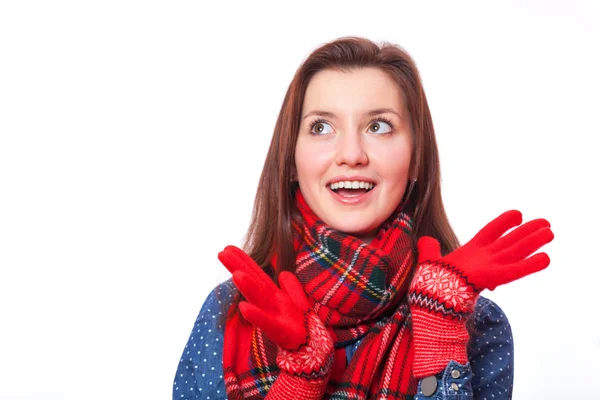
{"points": [[270, 230]]}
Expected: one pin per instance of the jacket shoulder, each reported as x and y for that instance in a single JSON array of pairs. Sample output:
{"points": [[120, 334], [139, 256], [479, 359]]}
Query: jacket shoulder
{"points": [[489, 314]]}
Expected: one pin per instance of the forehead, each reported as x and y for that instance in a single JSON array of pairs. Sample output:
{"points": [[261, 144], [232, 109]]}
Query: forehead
{"points": [[352, 91]]}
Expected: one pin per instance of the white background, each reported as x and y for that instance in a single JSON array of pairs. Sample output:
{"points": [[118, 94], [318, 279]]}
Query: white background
{"points": [[132, 136]]}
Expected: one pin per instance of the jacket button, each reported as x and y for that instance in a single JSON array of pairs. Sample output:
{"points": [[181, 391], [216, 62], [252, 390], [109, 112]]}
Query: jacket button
{"points": [[455, 373], [454, 387], [429, 385]]}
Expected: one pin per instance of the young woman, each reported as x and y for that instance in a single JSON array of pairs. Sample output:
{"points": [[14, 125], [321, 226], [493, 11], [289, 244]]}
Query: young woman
{"points": [[352, 284]]}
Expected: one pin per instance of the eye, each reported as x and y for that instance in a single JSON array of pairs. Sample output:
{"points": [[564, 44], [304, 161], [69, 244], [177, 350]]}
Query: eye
{"points": [[377, 124], [319, 123]]}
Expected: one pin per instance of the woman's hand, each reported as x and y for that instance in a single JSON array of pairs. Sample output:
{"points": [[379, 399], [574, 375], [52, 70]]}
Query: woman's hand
{"points": [[283, 314], [444, 290]]}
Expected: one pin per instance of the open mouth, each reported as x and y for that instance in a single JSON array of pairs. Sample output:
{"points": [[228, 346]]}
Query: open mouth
{"points": [[351, 188]]}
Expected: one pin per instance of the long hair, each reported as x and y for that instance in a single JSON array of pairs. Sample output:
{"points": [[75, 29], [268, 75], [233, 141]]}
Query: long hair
{"points": [[270, 231]]}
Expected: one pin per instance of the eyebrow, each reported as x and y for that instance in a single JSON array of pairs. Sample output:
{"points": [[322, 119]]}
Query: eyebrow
{"points": [[370, 113]]}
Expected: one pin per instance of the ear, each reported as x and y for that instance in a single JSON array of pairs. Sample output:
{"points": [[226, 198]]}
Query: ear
{"points": [[293, 173], [412, 172]]}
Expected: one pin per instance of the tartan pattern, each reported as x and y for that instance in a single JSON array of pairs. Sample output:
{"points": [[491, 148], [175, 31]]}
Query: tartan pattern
{"points": [[359, 291]]}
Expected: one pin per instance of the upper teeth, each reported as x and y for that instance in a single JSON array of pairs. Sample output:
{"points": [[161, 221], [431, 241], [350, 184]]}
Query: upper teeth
{"points": [[352, 185]]}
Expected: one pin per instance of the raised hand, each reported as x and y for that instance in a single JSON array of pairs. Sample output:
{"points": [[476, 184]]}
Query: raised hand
{"points": [[284, 314], [489, 260], [280, 316], [444, 290]]}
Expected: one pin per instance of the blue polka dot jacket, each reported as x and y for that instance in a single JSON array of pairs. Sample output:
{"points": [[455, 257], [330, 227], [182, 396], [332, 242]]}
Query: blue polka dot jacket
{"points": [[487, 375]]}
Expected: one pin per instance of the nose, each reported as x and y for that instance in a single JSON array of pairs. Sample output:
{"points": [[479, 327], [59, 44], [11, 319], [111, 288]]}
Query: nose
{"points": [[351, 150]]}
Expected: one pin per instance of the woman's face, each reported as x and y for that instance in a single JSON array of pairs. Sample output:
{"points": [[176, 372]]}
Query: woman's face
{"points": [[353, 149]]}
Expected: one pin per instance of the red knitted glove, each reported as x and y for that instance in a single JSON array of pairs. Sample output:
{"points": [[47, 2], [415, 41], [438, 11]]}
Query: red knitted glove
{"points": [[444, 290], [285, 316]]}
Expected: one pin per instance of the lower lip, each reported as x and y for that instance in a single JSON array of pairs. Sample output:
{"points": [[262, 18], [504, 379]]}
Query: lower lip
{"points": [[354, 199]]}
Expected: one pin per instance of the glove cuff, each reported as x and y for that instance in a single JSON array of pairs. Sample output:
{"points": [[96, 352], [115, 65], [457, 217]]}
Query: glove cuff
{"points": [[292, 387], [437, 340]]}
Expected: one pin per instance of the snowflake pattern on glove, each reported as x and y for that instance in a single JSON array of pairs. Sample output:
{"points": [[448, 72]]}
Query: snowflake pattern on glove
{"points": [[314, 358], [445, 286]]}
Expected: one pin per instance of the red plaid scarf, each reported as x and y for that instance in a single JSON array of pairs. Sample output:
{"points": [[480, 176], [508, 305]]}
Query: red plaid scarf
{"points": [[359, 292]]}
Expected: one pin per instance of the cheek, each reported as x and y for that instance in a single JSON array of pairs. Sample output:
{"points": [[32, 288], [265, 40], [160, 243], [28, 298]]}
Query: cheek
{"points": [[393, 161], [313, 158]]}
